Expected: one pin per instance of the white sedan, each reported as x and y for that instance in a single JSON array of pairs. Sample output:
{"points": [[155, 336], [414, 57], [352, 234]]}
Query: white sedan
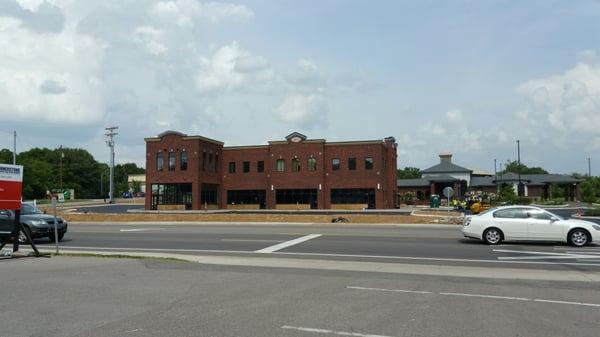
{"points": [[528, 223]]}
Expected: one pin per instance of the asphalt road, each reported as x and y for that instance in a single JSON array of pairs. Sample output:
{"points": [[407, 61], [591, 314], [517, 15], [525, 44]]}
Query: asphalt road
{"points": [[433, 245], [99, 297]]}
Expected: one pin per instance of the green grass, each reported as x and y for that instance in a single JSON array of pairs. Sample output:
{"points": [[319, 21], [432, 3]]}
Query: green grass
{"points": [[593, 212], [121, 256]]}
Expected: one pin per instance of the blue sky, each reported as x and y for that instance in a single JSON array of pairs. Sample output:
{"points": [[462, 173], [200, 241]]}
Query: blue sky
{"points": [[467, 77]]}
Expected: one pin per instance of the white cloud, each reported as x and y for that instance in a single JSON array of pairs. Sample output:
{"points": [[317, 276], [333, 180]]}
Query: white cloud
{"points": [[150, 38], [567, 105], [454, 115], [302, 110], [49, 77], [186, 12], [229, 68], [30, 5]]}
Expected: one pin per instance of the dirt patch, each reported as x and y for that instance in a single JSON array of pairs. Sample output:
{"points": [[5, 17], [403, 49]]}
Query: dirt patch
{"points": [[199, 217]]}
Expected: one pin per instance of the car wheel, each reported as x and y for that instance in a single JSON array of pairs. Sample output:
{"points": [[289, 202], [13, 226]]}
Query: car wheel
{"points": [[578, 237], [492, 236], [60, 237], [22, 237]]}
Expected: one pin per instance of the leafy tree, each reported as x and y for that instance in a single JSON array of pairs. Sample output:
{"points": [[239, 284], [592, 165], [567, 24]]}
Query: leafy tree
{"points": [[556, 191], [507, 193], [409, 173], [590, 190], [43, 169], [515, 167]]}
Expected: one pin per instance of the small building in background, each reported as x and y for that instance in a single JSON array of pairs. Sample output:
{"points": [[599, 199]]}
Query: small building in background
{"points": [[465, 180], [134, 179]]}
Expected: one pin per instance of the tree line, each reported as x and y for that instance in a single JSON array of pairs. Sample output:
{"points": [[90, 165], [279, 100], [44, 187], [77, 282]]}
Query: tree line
{"points": [[68, 168]]}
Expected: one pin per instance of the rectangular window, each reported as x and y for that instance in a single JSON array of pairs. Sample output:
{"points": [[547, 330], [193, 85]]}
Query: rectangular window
{"points": [[217, 163], [260, 166], [159, 161], [211, 164], [280, 165], [335, 164], [312, 164], [351, 164], [368, 163], [183, 161], [171, 161], [204, 160], [296, 165], [246, 167], [232, 167]]}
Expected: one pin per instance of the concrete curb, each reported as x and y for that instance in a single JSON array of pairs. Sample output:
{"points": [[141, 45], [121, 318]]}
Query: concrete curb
{"points": [[361, 266]]}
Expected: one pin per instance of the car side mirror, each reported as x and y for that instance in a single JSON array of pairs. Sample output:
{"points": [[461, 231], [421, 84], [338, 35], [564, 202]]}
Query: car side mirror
{"points": [[553, 219]]}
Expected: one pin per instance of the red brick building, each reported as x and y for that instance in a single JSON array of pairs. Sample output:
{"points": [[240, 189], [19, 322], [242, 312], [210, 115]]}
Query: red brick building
{"points": [[194, 172]]}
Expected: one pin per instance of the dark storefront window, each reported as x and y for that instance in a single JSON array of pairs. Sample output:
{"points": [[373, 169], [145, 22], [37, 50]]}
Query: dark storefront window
{"points": [[246, 167], [280, 165], [231, 167], [311, 164], [368, 163], [260, 166], [296, 165], [335, 164], [183, 161], [159, 161], [297, 196], [172, 194], [247, 197], [351, 164], [209, 194], [354, 196]]}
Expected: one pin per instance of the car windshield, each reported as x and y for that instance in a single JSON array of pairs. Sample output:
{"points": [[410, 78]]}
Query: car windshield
{"points": [[27, 209]]}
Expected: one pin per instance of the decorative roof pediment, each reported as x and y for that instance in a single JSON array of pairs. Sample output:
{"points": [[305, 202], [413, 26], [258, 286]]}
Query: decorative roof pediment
{"points": [[295, 137], [171, 132]]}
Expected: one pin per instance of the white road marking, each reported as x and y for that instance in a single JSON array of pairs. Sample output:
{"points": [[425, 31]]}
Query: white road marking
{"points": [[391, 290], [488, 296], [288, 243], [567, 302], [527, 252], [383, 257], [542, 255], [525, 299], [249, 240], [141, 229], [330, 332]]}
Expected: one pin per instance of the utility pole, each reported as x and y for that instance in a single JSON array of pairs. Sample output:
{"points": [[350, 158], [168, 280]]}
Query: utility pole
{"points": [[110, 133], [519, 188], [589, 167], [15, 147], [62, 155], [496, 177]]}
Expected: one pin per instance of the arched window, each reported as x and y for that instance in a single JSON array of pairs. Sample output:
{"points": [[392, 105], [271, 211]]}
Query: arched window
{"points": [[312, 164], [159, 161], [296, 165]]}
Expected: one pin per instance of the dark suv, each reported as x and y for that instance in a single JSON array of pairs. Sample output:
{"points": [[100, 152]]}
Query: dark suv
{"points": [[35, 222]]}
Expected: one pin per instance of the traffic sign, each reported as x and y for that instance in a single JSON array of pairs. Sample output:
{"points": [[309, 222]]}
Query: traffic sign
{"points": [[448, 192], [11, 186]]}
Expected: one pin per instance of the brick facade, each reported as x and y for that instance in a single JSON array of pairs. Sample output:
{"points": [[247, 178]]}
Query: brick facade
{"points": [[379, 181]]}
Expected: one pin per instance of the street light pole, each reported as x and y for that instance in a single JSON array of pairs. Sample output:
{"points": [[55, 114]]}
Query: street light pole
{"points": [[589, 167], [15, 147], [519, 188]]}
